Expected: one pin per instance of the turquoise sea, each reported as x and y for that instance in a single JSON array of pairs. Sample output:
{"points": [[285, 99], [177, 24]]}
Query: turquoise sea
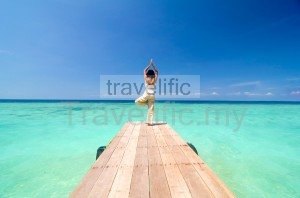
{"points": [[48, 146]]}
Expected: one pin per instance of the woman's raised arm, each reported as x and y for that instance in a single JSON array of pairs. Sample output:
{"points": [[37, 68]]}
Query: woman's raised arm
{"points": [[145, 71], [156, 71]]}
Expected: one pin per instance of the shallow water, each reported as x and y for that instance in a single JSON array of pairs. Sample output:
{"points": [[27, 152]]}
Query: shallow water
{"points": [[47, 147]]}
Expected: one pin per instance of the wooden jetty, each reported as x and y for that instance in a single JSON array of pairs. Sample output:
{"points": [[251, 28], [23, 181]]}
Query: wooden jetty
{"points": [[149, 161]]}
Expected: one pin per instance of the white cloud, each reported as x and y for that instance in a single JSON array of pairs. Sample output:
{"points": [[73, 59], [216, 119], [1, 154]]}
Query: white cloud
{"points": [[247, 93], [269, 94], [242, 84], [295, 93], [214, 93]]}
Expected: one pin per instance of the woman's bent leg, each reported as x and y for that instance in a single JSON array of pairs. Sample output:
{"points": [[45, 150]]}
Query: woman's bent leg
{"points": [[142, 101]]}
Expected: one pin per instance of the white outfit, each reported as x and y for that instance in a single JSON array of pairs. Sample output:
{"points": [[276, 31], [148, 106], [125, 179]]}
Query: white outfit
{"points": [[148, 99]]}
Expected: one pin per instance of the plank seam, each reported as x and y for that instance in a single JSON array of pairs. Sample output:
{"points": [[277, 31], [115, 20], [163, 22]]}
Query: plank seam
{"points": [[194, 167], [123, 129], [161, 129], [121, 159], [109, 159], [165, 127], [162, 161]]}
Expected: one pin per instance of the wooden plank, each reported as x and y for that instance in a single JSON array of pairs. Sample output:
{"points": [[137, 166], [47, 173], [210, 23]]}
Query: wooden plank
{"points": [[150, 161], [122, 181], [140, 176], [87, 183], [216, 186], [103, 184], [157, 178], [193, 180], [177, 185]]}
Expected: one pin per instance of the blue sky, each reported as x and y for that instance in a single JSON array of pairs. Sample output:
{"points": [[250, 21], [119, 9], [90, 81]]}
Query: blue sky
{"points": [[243, 50]]}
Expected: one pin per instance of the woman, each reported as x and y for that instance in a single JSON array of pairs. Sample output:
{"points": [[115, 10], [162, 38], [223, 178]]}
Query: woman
{"points": [[148, 98]]}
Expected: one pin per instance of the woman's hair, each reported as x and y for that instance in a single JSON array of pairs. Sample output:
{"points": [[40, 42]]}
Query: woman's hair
{"points": [[150, 73]]}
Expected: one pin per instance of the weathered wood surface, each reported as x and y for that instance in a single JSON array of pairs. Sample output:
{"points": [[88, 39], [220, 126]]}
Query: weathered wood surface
{"points": [[150, 161]]}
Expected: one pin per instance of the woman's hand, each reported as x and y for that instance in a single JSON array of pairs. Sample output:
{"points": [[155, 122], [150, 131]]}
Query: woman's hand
{"points": [[156, 71], [151, 62]]}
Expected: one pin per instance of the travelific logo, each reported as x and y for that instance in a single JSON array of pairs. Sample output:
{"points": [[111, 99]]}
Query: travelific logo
{"points": [[167, 86]]}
